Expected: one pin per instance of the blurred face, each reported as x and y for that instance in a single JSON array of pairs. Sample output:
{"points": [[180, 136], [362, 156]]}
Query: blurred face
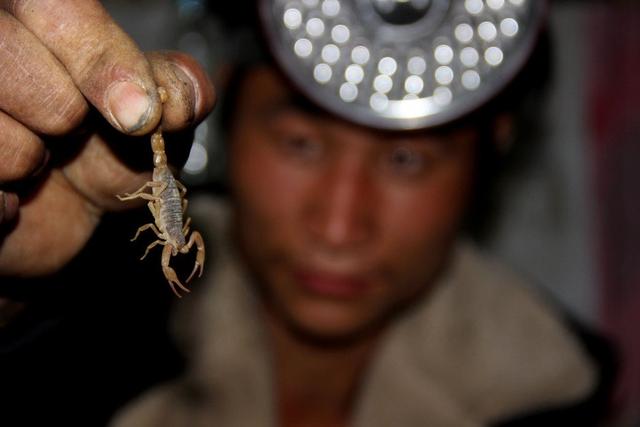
{"points": [[342, 225]]}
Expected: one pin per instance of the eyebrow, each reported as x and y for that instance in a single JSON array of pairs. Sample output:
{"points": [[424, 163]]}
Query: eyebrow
{"points": [[298, 102]]}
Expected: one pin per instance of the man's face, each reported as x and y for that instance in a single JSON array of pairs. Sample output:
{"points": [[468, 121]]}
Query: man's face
{"points": [[341, 224]]}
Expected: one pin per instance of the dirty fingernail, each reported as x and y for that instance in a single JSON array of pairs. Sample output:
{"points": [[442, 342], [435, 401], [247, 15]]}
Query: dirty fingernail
{"points": [[184, 74], [129, 105], [9, 204]]}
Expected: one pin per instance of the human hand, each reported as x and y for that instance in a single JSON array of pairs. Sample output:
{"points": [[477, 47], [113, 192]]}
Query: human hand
{"points": [[69, 76]]}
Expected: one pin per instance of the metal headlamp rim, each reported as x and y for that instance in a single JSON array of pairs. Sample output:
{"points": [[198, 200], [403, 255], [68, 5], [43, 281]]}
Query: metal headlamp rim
{"points": [[364, 116]]}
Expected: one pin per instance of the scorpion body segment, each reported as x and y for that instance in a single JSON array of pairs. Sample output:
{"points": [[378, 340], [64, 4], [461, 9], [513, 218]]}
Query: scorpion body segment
{"points": [[170, 212], [168, 205]]}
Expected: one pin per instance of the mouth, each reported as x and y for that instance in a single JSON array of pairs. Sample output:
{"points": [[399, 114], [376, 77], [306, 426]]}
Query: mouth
{"points": [[333, 285]]}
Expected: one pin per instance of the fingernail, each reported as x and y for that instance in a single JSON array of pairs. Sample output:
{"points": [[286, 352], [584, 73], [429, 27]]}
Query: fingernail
{"points": [[9, 204], [185, 75], [129, 106]]}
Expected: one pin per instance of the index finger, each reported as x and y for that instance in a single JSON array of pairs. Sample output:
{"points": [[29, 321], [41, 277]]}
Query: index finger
{"points": [[103, 61]]}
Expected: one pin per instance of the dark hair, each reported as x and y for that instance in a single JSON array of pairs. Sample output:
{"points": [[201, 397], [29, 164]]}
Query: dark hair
{"points": [[523, 101]]}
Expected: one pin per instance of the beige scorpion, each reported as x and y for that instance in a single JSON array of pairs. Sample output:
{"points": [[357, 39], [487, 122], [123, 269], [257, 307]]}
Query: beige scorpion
{"points": [[168, 206]]}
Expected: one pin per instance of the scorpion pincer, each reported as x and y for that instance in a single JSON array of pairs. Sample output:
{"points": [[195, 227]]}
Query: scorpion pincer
{"points": [[168, 206]]}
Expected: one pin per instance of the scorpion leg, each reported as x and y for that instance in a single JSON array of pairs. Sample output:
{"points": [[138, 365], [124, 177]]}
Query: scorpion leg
{"points": [[199, 265], [151, 246], [152, 226], [129, 196], [185, 229], [145, 196], [181, 187], [169, 273], [154, 208]]}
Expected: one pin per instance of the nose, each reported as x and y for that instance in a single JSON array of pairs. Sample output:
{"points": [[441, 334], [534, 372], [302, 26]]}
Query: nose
{"points": [[340, 214]]}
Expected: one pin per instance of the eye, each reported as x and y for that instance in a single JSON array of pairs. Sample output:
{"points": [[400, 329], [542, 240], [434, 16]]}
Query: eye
{"points": [[301, 147], [296, 136], [406, 161]]}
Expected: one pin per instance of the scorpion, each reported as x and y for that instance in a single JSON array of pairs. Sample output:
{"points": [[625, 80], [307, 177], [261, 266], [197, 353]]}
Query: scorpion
{"points": [[168, 206]]}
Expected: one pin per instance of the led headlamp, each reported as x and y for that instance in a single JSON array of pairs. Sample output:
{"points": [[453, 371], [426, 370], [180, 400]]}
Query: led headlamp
{"points": [[401, 64]]}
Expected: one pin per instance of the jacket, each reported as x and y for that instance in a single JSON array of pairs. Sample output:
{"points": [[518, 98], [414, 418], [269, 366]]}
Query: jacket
{"points": [[481, 349]]}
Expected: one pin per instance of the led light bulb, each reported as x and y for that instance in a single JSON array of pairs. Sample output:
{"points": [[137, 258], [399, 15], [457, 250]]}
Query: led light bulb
{"points": [[401, 64]]}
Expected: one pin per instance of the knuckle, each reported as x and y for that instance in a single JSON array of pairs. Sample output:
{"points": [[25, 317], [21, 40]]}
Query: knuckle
{"points": [[92, 60], [34, 87], [24, 163], [14, 6], [101, 60], [20, 158], [21, 8], [67, 111]]}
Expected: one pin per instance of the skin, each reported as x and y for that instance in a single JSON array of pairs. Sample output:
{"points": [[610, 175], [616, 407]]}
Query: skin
{"points": [[343, 226], [72, 80]]}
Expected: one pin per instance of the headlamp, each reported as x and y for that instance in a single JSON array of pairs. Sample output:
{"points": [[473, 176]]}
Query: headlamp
{"points": [[401, 64]]}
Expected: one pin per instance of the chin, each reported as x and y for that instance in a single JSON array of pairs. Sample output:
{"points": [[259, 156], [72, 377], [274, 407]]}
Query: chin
{"points": [[330, 322]]}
